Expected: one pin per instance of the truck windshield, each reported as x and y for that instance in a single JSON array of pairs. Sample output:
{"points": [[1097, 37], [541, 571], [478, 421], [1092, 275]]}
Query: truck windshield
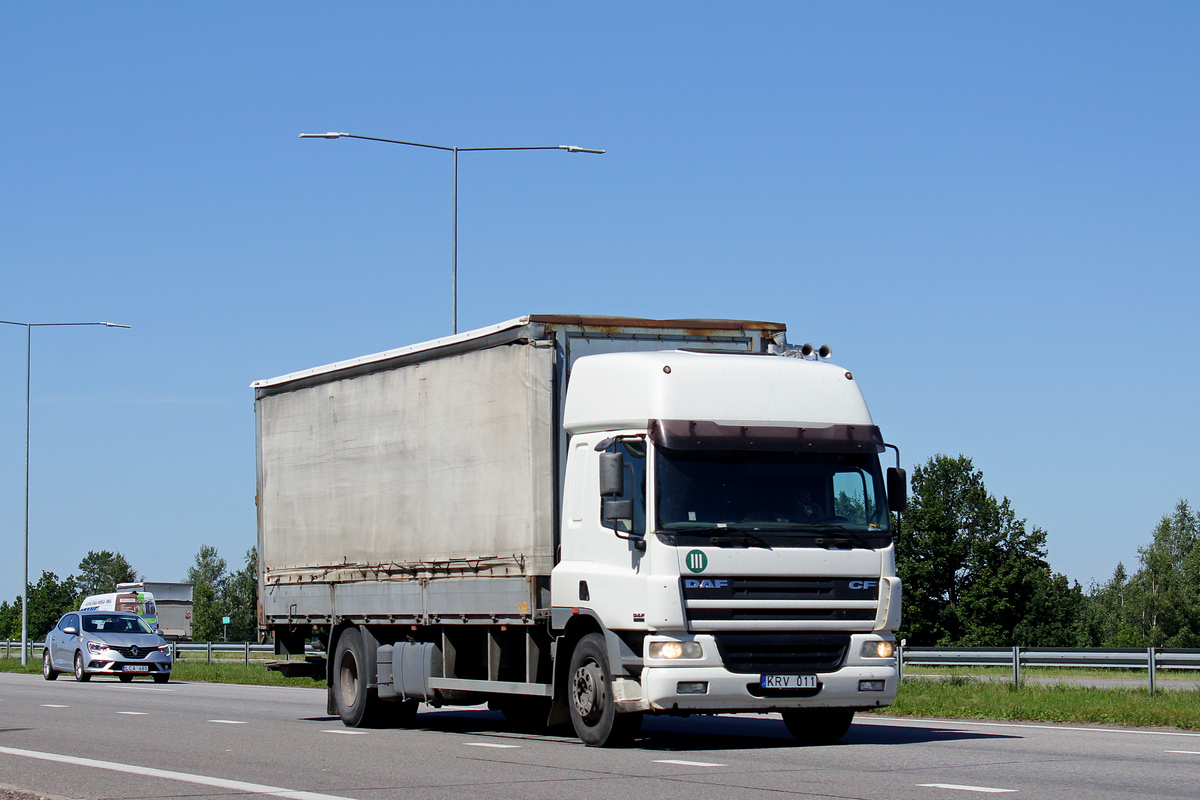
{"points": [[786, 493]]}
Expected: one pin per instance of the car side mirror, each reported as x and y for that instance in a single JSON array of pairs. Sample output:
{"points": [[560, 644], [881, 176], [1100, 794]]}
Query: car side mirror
{"points": [[897, 489], [612, 474], [70, 630]]}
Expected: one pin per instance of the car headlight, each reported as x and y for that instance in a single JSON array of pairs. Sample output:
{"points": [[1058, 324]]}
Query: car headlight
{"points": [[96, 647], [878, 649], [165, 649], [676, 650]]}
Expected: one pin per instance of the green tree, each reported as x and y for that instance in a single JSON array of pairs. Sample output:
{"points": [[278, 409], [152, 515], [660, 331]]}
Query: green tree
{"points": [[975, 574], [209, 579], [49, 599], [1159, 605], [241, 600], [10, 620], [99, 573]]}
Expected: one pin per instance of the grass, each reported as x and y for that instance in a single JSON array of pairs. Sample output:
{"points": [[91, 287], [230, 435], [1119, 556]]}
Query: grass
{"points": [[961, 696]]}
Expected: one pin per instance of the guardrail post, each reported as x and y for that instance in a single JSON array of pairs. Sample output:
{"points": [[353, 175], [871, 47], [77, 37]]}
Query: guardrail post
{"points": [[210, 652], [1151, 658], [247, 654], [899, 663], [1017, 665]]}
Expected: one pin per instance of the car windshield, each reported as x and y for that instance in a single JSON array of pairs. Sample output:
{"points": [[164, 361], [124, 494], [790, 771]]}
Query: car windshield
{"points": [[114, 623], [771, 491]]}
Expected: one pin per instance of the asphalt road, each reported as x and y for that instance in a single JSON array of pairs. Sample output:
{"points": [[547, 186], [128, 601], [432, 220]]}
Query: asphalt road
{"points": [[105, 739]]}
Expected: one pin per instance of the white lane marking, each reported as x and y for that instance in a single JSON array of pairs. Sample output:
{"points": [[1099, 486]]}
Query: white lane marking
{"points": [[150, 772], [949, 723], [229, 721], [984, 789], [52, 705], [1186, 752], [134, 713], [348, 732], [688, 763], [490, 744]]}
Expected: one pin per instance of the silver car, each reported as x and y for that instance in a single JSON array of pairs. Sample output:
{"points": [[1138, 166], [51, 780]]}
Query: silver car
{"points": [[105, 643]]}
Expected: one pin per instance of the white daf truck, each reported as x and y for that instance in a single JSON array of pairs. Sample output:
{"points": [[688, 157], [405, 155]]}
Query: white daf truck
{"points": [[583, 518]]}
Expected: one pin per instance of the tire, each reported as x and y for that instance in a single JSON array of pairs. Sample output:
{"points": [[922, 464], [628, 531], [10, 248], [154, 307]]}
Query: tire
{"points": [[357, 705], [590, 698], [48, 672], [161, 677], [818, 727], [80, 675], [123, 678]]}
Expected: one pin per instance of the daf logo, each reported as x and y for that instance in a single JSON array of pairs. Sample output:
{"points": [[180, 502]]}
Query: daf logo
{"points": [[706, 583], [863, 584]]}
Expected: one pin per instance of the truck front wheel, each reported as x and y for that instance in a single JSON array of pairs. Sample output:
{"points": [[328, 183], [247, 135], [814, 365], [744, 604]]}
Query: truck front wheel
{"points": [[357, 705], [590, 697], [818, 727]]}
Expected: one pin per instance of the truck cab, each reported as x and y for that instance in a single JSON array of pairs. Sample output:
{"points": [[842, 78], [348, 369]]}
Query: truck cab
{"points": [[726, 529]]}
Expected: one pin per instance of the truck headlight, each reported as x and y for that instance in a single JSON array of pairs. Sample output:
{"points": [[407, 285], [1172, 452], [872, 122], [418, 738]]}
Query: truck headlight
{"points": [[673, 650], [878, 650]]}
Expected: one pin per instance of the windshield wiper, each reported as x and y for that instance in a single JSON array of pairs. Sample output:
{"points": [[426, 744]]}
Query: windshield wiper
{"points": [[842, 530], [726, 534]]}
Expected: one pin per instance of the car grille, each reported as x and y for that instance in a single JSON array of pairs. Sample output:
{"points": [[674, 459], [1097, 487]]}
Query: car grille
{"points": [[127, 652]]}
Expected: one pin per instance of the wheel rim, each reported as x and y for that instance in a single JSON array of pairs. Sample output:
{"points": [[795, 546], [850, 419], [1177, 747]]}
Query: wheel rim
{"points": [[78, 666], [585, 691], [348, 679], [45, 663]]}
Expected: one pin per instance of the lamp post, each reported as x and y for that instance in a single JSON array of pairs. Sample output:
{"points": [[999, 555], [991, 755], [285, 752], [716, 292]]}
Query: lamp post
{"points": [[570, 148], [29, 326]]}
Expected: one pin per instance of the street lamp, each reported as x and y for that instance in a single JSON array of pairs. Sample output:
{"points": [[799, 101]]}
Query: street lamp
{"points": [[29, 326], [570, 148]]}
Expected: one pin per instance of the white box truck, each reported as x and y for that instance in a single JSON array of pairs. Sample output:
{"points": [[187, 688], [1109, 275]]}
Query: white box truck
{"points": [[583, 518]]}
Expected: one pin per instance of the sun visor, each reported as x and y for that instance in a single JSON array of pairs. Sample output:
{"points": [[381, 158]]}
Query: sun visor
{"points": [[675, 434]]}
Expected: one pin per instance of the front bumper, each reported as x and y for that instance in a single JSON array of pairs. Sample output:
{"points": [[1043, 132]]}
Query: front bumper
{"points": [[727, 691], [104, 665]]}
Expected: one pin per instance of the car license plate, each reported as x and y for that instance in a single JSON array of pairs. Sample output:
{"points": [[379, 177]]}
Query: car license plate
{"points": [[136, 668], [788, 681]]}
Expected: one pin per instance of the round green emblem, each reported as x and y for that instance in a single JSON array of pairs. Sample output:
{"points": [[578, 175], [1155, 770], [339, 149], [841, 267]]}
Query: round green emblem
{"points": [[697, 561]]}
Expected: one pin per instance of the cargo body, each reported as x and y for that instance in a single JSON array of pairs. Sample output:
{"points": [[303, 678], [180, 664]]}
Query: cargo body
{"points": [[582, 517]]}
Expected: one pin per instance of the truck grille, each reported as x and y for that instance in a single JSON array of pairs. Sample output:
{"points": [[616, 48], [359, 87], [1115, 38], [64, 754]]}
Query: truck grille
{"points": [[780, 603], [782, 653]]}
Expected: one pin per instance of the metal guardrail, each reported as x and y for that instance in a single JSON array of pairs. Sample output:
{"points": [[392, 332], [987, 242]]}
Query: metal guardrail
{"points": [[179, 649], [1150, 659]]}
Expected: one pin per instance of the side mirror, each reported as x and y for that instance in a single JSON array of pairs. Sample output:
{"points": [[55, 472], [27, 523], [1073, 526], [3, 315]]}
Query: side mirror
{"points": [[612, 475], [70, 630], [617, 510], [897, 489]]}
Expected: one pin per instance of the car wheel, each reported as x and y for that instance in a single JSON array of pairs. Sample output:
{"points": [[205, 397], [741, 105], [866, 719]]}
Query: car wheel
{"points": [[590, 697], [162, 677], [48, 672], [80, 675], [125, 678], [357, 704]]}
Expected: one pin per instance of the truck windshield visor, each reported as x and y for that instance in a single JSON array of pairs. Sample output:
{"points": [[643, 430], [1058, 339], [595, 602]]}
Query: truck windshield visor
{"points": [[780, 493]]}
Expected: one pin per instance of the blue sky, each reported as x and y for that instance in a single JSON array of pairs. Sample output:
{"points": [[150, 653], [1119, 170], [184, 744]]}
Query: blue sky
{"points": [[989, 211]]}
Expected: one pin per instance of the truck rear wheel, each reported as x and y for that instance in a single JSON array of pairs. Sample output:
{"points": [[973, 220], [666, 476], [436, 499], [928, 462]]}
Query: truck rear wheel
{"points": [[590, 697], [357, 705], [818, 727]]}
